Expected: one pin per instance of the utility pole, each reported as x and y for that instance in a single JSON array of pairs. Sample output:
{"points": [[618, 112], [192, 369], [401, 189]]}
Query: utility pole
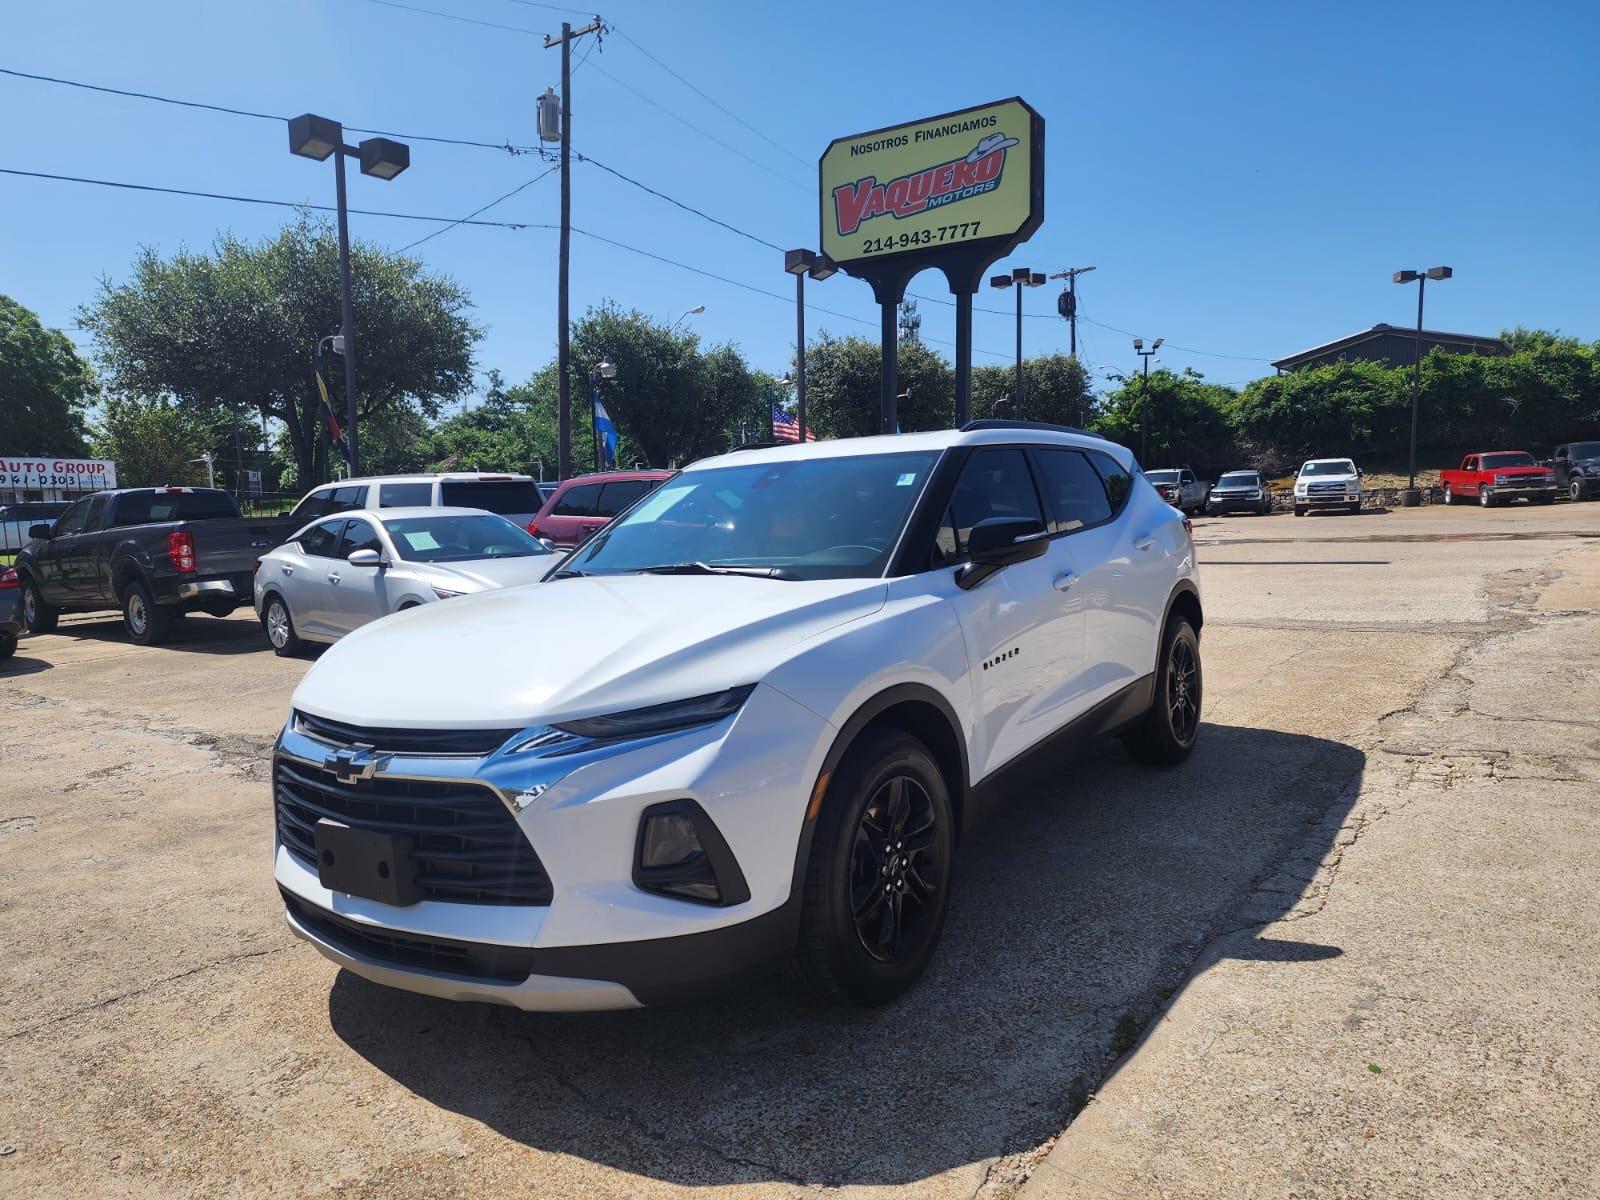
{"points": [[1067, 305], [564, 351]]}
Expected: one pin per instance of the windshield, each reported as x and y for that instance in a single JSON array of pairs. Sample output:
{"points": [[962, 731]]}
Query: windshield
{"points": [[511, 496], [458, 538], [1161, 476], [820, 518], [1584, 450], [1240, 479], [1499, 462], [1340, 466]]}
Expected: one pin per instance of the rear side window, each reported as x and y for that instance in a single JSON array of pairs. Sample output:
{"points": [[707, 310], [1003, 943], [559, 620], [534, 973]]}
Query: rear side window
{"points": [[580, 501], [405, 495], [1075, 491], [503, 496], [621, 493], [1119, 483], [994, 483]]}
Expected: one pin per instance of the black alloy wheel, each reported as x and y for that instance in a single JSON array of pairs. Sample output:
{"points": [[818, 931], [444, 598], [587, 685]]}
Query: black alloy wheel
{"points": [[878, 881], [1171, 726], [37, 616]]}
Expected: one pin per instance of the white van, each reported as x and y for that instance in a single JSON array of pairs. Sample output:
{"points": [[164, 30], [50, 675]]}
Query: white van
{"points": [[515, 497]]}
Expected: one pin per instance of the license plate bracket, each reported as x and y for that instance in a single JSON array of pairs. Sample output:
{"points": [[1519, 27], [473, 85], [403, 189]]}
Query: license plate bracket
{"points": [[364, 863]]}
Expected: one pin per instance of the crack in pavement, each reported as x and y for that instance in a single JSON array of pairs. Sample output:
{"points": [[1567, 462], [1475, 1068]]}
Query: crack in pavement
{"points": [[149, 987]]}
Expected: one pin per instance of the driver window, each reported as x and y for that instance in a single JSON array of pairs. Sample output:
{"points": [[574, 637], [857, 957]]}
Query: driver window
{"points": [[358, 535], [74, 519], [994, 483]]}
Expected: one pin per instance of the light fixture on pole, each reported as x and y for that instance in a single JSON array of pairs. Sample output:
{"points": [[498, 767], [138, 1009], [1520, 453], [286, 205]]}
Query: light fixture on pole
{"points": [[1019, 278], [698, 308], [604, 369], [801, 263], [1411, 497], [1144, 395], [317, 137]]}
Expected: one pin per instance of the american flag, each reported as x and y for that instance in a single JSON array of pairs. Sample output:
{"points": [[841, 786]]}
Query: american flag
{"points": [[786, 429]]}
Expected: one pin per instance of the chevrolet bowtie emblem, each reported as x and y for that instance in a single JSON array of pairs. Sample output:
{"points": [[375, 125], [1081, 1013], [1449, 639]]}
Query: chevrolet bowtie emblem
{"points": [[355, 763]]}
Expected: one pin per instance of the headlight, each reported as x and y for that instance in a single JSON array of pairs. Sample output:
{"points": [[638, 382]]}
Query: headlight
{"points": [[1591, 468], [444, 593], [1502, 480], [660, 718]]}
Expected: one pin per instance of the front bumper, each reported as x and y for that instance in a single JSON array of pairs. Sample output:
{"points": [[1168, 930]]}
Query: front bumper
{"points": [[601, 942], [1227, 504]]}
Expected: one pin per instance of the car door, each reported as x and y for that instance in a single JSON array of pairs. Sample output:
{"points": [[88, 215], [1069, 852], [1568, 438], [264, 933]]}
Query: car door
{"points": [[1120, 566], [358, 594], [1023, 626], [305, 578], [577, 515], [53, 556]]}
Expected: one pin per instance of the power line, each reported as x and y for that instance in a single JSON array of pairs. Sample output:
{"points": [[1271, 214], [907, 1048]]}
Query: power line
{"points": [[571, 12], [709, 100], [433, 12], [244, 112], [789, 179], [689, 208], [365, 212], [476, 211]]}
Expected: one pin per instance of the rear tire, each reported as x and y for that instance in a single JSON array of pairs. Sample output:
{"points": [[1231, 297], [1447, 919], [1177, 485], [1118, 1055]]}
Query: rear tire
{"points": [[37, 616], [877, 884], [279, 626], [147, 623], [1167, 733]]}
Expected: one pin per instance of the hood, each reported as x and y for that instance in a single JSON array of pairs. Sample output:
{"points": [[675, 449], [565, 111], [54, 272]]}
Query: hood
{"points": [[573, 647], [480, 574]]}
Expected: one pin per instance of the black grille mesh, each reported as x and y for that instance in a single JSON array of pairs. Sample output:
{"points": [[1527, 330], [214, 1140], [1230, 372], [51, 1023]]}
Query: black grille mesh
{"points": [[406, 741], [467, 847], [474, 960]]}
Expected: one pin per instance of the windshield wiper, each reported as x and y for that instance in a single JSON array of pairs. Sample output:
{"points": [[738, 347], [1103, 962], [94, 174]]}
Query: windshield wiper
{"points": [[702, 568]]}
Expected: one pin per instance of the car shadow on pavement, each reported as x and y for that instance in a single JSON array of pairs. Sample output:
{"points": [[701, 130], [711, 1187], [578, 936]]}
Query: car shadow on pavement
{"points": [[196, 633], [1088, 896], [21, 664]]}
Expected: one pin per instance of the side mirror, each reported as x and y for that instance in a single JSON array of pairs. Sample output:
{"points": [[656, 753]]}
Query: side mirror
{"points": [[1360, 471], [998, 542], [547, 544], [365, 558], [45, 529]]}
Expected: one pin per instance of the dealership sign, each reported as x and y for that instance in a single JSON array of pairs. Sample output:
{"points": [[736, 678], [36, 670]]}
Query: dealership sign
{"points": [[40, 473], [934, 186]]}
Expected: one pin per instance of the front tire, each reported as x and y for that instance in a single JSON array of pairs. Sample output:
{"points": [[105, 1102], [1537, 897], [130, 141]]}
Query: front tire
{"points": [[1485, 497], [1299, 510], [1167, 733], [37, 615], [147, 623], [1449, 496], [280, 628], [8, 645], [1575, 489], [877, 884]]}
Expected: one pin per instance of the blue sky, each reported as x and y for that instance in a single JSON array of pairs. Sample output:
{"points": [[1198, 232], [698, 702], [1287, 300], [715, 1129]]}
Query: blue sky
{"points": [[1246, 177]]}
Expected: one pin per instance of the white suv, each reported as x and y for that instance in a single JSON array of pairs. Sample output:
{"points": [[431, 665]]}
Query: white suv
{"points": [[744, 725]]}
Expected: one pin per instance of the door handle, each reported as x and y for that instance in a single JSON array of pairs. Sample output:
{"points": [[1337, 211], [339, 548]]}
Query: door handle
{"points": [[1064, 580], [1143, 542], [333, 578]]}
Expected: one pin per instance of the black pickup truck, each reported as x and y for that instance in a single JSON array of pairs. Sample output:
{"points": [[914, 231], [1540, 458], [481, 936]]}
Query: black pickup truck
{"points": [[153, 553]]}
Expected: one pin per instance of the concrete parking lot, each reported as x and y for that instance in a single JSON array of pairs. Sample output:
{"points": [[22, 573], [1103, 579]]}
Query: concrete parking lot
{"points": [[1348, 949]]}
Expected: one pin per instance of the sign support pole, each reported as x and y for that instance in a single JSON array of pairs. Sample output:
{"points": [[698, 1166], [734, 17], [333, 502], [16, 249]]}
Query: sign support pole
{"points": [[963, 358], [889, 382]]}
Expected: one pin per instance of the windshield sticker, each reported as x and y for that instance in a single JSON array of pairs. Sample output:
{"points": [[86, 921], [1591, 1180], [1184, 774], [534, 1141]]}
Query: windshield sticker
{"points": [[421, 540], [906, 479]]}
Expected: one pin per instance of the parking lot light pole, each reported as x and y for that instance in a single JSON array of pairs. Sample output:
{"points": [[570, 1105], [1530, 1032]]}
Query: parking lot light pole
{"points": [[1019, 278], [317, 137], [1411, 497], [1144, 397], [801, 263]]}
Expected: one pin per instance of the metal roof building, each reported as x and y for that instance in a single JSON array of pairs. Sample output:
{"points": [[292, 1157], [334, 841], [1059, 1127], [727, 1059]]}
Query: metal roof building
{"points": [[1392, 346]]}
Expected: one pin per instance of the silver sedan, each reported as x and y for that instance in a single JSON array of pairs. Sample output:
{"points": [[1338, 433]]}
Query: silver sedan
{"points": [[344, 570]]}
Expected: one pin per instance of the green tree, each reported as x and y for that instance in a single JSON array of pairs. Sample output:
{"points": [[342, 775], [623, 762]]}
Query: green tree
{"points": [[1055, 388], [235, 330], [1179, 420], [513, 429], [153, 442], [44, 386], [843, 387], [669, 401]]}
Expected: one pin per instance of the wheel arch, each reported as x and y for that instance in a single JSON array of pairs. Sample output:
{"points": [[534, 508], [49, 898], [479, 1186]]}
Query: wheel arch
{"points": [[916, 709], [124, 572], [1185, 601]]}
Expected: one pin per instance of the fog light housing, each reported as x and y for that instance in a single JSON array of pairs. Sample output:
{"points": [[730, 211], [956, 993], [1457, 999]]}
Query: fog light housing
{"points": [[681, 853]]}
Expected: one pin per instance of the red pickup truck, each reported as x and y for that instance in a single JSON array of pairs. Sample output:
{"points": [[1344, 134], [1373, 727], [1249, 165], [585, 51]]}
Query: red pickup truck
{"points": [[1498, 478]]}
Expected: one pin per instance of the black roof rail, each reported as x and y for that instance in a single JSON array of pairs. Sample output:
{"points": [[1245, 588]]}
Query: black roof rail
{"points": [[756, 446], [995, 423]]}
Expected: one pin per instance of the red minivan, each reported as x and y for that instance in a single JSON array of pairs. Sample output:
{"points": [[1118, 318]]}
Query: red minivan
{"points": [[585, 503]]}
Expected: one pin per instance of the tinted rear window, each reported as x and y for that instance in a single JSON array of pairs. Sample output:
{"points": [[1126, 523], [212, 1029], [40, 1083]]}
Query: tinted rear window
{"points": [[404, 495], [145, 508], [501, 496], [580, 501]]}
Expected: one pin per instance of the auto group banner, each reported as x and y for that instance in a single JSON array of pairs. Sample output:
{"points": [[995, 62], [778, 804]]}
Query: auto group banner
{"points": [[61, 474]]}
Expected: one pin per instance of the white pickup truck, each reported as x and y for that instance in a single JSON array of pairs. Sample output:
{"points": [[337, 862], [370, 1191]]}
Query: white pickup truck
{"points": [[1327, 483]]}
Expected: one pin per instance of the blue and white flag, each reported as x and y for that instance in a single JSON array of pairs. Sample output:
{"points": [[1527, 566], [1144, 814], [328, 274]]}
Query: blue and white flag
{"points": [[606, 430]]}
